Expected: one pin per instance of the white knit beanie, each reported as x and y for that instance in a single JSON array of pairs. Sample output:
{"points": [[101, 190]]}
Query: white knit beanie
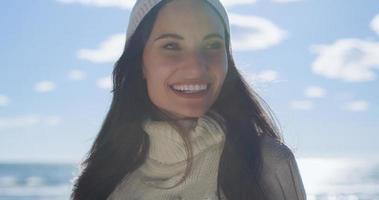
{"points": [[142, 7]]}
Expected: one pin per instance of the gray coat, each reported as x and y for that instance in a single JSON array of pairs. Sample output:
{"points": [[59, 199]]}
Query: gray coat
{"points": [[281, 178]]}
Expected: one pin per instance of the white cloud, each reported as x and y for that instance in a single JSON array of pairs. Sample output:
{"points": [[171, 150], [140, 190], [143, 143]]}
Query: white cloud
{"points": [[19, 121], [44, 86], [285, 1], [265, 76], [4, 100], [375, 24], [108, 51], [315, 92], [105, 83], [52, 120], [123, 4], [356, 106], [301, 105], [260, 32], [76, 75], [128, 4], [350, 60], [227, 3], [29, 120]]}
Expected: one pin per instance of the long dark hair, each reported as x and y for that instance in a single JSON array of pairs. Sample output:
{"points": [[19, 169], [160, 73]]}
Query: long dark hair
{"points": [[121, 146]]}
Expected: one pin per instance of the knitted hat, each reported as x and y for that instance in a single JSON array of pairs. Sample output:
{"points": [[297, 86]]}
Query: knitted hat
{"points": [[142, 7]]}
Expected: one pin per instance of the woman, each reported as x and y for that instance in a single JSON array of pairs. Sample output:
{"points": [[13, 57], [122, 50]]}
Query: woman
{"points": [[183, 123]]}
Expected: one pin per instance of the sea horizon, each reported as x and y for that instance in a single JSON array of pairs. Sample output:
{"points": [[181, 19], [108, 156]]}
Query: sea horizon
{"points": [[323, 178]]}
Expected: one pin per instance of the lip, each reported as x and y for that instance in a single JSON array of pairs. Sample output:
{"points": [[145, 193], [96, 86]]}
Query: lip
{"points": [[192, 95], [192, 83]]}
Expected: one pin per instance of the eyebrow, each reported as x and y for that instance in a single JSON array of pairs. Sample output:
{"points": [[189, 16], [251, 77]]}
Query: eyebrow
{"points": [[209, 36], [176, 36]]}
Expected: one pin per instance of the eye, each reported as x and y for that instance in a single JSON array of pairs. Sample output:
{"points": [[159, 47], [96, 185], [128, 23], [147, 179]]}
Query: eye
{"points": [[171, 46], [214, 45]]}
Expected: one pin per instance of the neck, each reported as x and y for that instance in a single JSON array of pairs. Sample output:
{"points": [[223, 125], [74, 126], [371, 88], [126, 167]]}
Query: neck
{"points": [[166, 144], [188, 124]]}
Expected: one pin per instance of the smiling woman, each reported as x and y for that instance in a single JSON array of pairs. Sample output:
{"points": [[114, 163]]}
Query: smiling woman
{"points": [[183, 123], [184, 59]]}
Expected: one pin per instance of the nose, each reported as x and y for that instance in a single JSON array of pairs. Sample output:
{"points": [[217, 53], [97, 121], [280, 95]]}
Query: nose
{"points": [[196, 64]]}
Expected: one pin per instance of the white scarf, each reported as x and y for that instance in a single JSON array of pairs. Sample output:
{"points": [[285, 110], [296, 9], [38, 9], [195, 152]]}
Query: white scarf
{"points": [[166, 163]]}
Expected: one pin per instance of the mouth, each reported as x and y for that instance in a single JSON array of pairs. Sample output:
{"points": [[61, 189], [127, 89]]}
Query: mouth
{"points": [[191, 90]]}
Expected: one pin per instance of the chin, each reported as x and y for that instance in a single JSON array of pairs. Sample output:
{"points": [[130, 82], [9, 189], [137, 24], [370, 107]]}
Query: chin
{"points": [[183, 112], [190, 114], [194, 114]]}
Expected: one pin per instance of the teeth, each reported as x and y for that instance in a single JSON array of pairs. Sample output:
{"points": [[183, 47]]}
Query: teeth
{"points": [[190, 87]]}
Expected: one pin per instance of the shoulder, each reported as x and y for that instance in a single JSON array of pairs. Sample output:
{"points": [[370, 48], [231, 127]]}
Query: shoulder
{"points": [[280, 174], [274, 153]]}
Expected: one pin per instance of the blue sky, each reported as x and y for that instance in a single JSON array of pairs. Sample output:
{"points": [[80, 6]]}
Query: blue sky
{"points": [[315, 62]]}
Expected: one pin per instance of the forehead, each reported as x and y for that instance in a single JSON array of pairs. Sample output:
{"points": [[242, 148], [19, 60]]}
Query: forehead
{"points": [[188, 17]]}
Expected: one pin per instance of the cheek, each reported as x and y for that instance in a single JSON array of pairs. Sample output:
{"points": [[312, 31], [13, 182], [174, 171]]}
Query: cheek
{"points": [[156, 86], [154, 67], [157, 75], [219, 68], [219, 65]]}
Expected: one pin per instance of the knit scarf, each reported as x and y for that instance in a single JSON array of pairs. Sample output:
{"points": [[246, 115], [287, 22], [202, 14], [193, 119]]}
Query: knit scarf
{"points": [[166, 163]]}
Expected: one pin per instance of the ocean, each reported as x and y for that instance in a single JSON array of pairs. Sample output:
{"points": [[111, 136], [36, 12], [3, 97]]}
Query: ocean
{"points": [[324, 179], [28, 181]]}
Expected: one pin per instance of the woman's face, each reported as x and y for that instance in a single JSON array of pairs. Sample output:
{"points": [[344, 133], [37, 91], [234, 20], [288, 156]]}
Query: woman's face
{"points": [[185, 51]]}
